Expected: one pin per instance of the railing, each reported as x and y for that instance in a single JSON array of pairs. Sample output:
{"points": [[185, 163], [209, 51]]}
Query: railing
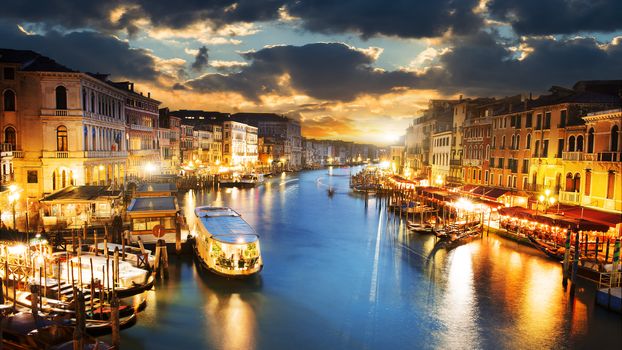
{"points": [[611, 279], [456, 162], [56, 154], [609, 157], [6, 147], [569, 197], [140, 127], [61, 112], [104, 154], [18, 154], [573, 156]]}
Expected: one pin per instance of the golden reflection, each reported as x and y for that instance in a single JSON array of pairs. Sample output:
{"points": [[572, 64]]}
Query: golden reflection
{"points": [[458, 308], [232, 321]]}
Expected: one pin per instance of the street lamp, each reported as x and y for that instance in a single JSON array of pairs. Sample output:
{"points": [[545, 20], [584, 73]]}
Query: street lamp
{"points": [[546, 199], [13, 198], [439, 181]]}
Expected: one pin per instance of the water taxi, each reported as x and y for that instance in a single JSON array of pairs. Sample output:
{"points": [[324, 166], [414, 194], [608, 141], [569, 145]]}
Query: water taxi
{"points": [[225, 243]]}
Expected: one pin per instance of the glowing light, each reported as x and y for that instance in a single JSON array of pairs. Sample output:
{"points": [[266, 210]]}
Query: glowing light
{"points": [[101, 167], [385, 165], [541, 198], [547, 192], [17, 249], [13, 188], [552, 200], [150, 167]]}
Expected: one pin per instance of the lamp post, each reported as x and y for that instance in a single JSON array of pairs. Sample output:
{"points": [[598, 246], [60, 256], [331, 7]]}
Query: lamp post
{"points": [[13, 197], [546, 199]]}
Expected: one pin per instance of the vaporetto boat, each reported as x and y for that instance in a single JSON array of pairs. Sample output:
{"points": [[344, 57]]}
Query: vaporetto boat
{"points": [[226, 244]]}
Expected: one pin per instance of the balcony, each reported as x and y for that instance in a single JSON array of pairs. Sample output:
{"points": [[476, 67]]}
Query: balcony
{"points": [[455, 162], [61, 112], [140, 127], [18, 154], [144, 152], [569, 197], [573, 156], [471, 162], [6, 147], [83, 154], [609, 156]]}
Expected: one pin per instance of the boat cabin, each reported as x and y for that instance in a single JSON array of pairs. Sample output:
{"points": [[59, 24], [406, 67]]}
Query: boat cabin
{"points": [[154, 218], [156, 190]]}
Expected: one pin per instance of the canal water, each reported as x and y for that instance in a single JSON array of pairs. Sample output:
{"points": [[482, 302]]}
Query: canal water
{"points": [[339, 274]]}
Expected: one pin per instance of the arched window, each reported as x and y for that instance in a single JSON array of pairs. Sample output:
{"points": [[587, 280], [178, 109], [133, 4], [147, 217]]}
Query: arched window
{"points": [[517, 142], [61, 97], [494, 141], [580, 143], [571, 144], [503, 142], [487, 152], [513, 142], [9, 136], [569, 183], [61, 138], [63, 179], [590, 141], [615, 134], [577, 182], [92, 102], [54, 180], [9, 101], [84, 99], [528, 142]]}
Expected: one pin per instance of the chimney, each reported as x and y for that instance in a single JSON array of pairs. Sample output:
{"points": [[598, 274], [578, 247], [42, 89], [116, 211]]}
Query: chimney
{"points": [[141, 93], [460, 98], [149, 94], [132, 87]]}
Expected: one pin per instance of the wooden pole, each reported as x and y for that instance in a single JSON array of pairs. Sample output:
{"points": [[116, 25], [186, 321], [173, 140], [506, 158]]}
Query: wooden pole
{"points": [[80, 329], [123, 245], [116, 268], [114, 320], [575, 264], [92, 286], [566, 258], [95, 240]]}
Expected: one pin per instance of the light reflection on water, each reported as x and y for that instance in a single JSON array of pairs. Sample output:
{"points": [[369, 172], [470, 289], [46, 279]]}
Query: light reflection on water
{"points": [[339, 274]]}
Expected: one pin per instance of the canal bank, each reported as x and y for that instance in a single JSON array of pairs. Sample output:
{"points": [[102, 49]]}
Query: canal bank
{"points": [[340, 274]]}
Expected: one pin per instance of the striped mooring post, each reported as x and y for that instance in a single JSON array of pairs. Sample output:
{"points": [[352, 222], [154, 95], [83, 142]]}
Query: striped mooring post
{"points": [[566, 258], [575, 264], [616, 262]]}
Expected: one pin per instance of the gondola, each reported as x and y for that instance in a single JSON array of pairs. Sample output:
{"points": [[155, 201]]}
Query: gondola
{"points": [[551, 252]]}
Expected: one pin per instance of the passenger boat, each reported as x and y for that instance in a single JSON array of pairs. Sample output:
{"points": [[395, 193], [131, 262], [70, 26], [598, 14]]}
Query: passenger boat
{"points": [[237, 180], [226, 244]]}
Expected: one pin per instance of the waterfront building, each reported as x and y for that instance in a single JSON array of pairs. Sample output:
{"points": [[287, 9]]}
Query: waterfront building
{"points": [[65, 127], [283, 133], [477, 141], [143, 116], [186, 145], [592, 163], [397, 158], [441, 155], [528, 137], [215, 153], [169, 142], [239, 144], [418, 138]]}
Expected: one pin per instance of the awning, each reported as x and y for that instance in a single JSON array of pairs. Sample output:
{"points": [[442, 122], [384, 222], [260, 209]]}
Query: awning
{"points": [[588, 214], [77, 194], [495, 193], [554, 219]]}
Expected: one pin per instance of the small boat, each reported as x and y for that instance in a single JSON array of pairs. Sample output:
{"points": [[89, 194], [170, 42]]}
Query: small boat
{"points": [[226, 244], [419, 228], [331, 191], [550, 251]]}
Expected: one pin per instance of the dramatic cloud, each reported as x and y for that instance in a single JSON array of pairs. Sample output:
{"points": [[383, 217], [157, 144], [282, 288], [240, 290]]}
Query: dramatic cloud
{"points": [[86, 51], [483, 64], [537, 17], [330, 71], [200, 60], [403, 18]]}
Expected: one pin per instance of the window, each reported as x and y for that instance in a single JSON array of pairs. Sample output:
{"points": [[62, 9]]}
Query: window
{"points": [[588, 182], [32, 177], [538, 121], [486, 176], [92, 102], [9, 73], [9, 100], [545, 148], [615, 134], [547, 120], [524, 182], [513, 142], [560, 148], [577, 182], [518, 121], [571, 144], [590, 141], [580, 143], [500, 180], [569, 183], [61, 97], [611, 182], [61, 138], [562, 118], [528, 120], [9, 136], [503, 142], [487, 155], [528, 142], [537, 149], [517, 142], [525, 166]]}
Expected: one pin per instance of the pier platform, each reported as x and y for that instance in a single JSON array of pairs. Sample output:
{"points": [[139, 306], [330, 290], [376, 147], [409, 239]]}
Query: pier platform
{"points": [[610, 298]]}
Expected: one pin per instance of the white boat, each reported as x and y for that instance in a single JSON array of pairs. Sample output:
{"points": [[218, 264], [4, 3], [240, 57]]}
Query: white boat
{"points": [[238, 180], [225, 243]]}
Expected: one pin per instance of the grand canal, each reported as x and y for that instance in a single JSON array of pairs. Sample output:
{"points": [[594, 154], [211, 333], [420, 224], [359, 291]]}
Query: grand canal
{"points": [[339, 274]]}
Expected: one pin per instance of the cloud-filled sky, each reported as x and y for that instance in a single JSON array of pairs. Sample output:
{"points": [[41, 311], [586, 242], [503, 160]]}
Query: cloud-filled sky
{"points": [[356, 70]]}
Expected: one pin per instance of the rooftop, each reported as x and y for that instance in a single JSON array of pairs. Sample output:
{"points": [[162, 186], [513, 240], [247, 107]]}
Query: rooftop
{"points": [[153, 204], [157, 187]]}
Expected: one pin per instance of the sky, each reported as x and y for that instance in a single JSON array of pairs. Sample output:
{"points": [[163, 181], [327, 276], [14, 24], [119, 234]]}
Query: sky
{"points": [[357, 70]]}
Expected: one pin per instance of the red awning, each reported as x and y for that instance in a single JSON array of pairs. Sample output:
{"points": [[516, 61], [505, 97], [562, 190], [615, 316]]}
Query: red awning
{"points": [[589, 214]]}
